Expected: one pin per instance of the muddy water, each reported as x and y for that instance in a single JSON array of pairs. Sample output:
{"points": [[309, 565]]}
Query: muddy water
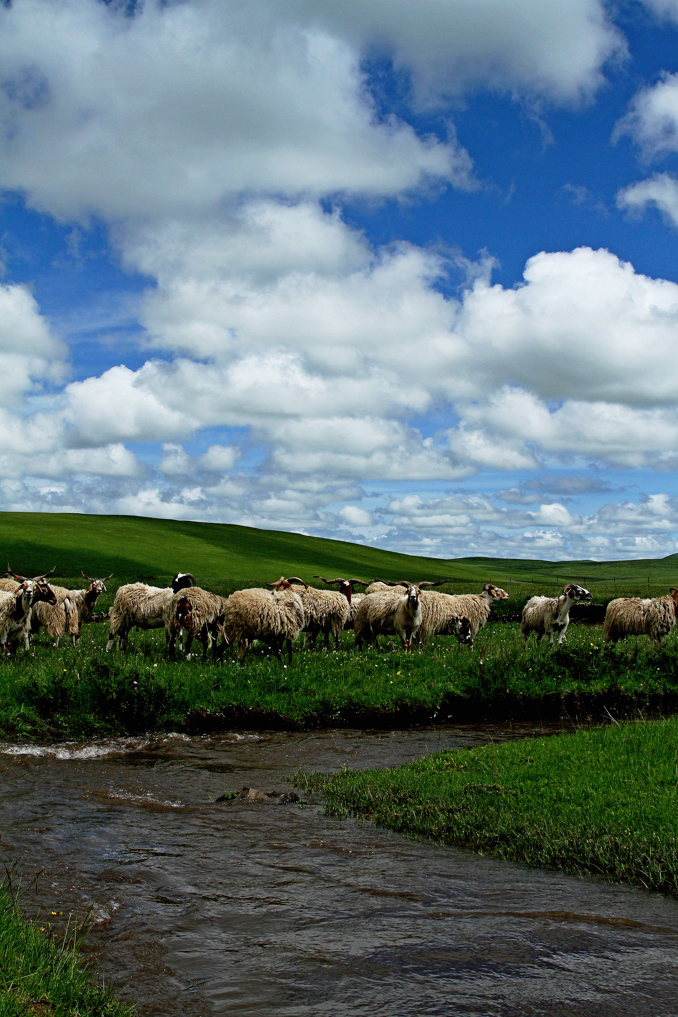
{"points": [[237, 908]]}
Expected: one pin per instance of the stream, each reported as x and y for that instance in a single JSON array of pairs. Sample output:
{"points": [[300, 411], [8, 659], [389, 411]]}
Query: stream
{"points": [[204, 907]]}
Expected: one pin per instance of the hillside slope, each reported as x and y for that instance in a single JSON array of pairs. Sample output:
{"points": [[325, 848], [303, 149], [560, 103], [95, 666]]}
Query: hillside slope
{"points": [[227, 556]]}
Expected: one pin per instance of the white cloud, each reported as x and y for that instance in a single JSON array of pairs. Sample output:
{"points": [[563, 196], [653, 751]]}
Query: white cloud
{"points": [[355, 516], [652, 119], [557, 48], [29, 352], [661, 190], [219, 458], [176, 108]]}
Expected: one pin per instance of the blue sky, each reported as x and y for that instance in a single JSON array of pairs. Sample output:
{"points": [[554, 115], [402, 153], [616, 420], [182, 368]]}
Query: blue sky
{"points": [[393, 273]]}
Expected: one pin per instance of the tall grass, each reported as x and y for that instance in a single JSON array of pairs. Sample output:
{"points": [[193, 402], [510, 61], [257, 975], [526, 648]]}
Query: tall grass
{"points": [[81, 692], [41, 974], [603, 802]]}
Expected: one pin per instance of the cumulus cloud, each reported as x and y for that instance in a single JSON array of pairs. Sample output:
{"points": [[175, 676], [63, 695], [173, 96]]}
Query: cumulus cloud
{"points": [[176, 108], [211, 138], [555, 48]]}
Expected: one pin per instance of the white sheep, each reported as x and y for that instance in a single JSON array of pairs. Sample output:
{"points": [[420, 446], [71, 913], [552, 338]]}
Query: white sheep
{"points": [[390, 611], [474, 606], [636, 616], [440, 616], [274, 617], [548, 615], [325, 611], [137, 605]]}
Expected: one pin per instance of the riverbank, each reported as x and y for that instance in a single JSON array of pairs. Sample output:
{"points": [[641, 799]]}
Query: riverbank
{"points": [[83, 692], [599, 802], [39, 975]]}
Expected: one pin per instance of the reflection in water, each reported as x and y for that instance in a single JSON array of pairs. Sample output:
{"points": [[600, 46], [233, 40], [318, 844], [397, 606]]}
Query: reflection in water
{"points": [[258, 908]]}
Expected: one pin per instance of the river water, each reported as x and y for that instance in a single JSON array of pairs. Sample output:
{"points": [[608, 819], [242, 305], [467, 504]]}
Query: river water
{"points": [[233, 907]]}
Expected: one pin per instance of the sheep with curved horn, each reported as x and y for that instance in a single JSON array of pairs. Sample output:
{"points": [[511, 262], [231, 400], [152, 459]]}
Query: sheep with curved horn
{"points": [[16, 604], [391, 611], [346, 587]]}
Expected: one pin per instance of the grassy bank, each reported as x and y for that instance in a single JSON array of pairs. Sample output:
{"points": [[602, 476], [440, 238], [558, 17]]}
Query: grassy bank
{"points": [[602, 802], [39, 975], [84, 692]]}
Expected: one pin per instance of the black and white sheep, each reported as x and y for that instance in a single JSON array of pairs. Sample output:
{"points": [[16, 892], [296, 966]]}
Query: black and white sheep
{"points": [[199, 613], [390, 611], [548, 615], [16, 605], [137, 605]]}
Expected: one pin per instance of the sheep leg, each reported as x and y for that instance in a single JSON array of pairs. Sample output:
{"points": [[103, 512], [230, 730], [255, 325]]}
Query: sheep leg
{"points": [[289, 651], [327, 640]]}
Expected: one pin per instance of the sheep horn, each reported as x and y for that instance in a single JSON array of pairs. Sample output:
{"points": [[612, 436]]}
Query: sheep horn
{"points": [[403, 582], [36, 578], [9, 572], [296, 579], [107, 577], [88, 578], [358, 582], [277, 583], [329, 582], [438, 582]]}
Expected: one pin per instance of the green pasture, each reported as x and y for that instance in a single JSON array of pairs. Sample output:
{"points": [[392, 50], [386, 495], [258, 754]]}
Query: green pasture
{"points": [[599, 802], [84, 692], [225, 557]]}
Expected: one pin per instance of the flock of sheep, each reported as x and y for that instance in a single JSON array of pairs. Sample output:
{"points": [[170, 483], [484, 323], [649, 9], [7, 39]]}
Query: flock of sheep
{"points": [[277, 615]]}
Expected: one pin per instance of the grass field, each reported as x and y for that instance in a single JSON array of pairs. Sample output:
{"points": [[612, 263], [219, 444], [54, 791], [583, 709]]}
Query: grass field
{"points": [[83, 692], [40, 975], [226, 557], [601, 802]]}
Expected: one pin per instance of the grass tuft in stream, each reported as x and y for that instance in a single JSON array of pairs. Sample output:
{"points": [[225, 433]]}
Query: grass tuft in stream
{"points": [[601, 802], [40, 975]]}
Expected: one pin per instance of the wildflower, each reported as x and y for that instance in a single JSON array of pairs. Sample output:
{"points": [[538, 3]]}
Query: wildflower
{"points": [[135, 683]]}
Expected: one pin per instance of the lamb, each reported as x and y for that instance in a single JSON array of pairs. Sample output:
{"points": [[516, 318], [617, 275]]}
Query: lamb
{"points": [[325, 611], [141, 606], [72, 609], [274, 617], [15, 607], [200, 613], [390, 611], [475, 607], [635, 616], [548, 615]]}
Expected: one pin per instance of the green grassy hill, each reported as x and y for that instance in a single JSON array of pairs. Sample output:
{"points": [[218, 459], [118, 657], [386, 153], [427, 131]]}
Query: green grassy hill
{"points": [[225, 557]]}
